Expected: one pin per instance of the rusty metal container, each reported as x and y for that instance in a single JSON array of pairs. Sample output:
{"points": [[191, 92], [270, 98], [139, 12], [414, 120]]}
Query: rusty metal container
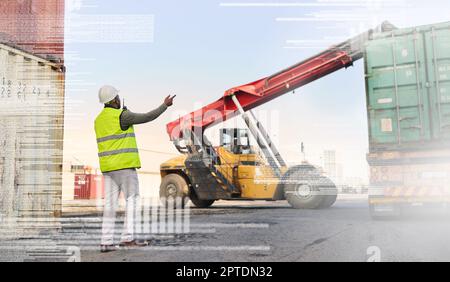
{"points": [[31, 143]]}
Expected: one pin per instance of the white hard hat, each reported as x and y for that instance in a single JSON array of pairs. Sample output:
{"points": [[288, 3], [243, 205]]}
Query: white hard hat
{"points": [[107, 93]]}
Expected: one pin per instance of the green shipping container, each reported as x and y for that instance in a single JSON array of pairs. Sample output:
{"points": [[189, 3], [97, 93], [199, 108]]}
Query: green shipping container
{"points": [[408, 88]]}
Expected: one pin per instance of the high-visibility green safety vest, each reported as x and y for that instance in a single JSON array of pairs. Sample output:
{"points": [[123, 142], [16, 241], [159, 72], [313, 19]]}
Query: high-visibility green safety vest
{"points": [[117, 149]]}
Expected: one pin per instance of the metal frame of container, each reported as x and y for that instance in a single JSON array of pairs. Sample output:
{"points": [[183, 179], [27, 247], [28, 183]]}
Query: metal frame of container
{"points": [[31, 144]]}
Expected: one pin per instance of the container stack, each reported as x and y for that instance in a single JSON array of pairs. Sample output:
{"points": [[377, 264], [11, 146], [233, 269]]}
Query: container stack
{"points": [[31, 112], [408, 100]]}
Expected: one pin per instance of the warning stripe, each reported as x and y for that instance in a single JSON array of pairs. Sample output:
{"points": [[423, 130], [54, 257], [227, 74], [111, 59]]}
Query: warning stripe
{"points": [[415, 191]]}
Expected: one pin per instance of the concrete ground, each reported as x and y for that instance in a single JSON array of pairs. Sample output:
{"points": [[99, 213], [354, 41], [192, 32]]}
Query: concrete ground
{"points": [[252, 231], [261, 231]]}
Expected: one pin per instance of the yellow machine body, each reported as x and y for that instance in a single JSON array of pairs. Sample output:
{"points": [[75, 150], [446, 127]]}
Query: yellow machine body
{"points": [[248, 172]]}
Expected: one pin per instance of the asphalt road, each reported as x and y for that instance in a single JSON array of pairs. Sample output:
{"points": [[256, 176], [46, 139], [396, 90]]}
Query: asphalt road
{"points": [[256, 232]]}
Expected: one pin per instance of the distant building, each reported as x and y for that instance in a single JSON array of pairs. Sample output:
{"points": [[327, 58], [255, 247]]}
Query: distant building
{"points": [[329, 163], [331, 167]]}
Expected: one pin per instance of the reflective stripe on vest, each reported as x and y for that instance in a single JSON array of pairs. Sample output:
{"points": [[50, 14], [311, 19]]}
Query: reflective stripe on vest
{"points": [[116, 152], [117, 148], [115, 137]]}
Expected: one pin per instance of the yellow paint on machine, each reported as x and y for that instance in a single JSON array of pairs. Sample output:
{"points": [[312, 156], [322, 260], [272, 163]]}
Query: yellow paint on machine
{"points": [[249, 173]]}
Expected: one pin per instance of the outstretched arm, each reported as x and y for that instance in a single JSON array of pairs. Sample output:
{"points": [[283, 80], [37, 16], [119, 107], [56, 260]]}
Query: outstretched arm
{"points": [[128, 118]]}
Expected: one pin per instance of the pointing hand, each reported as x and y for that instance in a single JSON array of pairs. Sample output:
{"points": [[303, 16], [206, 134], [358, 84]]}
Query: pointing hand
{"points": [[169, 100]]}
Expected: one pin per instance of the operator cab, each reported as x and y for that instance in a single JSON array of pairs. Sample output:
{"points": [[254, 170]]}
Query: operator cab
{"points": [[235, 140]]}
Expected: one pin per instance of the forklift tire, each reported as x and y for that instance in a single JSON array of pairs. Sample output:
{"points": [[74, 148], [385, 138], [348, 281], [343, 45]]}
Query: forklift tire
{"points": [[173, 191], [330, 198], [202, 204], [309, 189]]}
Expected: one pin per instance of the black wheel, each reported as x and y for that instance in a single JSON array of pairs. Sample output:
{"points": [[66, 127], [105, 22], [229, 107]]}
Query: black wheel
{"points": [[306, 188], [200, 203], [331, 195], [173, 191]]}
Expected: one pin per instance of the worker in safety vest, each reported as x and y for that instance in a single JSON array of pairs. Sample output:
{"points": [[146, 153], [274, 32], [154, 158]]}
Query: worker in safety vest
{"points": [[119, 159]]}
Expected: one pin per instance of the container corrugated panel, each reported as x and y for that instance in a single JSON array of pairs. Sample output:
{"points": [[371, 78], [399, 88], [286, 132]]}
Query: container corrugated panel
{"points": [[408, 88], [31, 143]]}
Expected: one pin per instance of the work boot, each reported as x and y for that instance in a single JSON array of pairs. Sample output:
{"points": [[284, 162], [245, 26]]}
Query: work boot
{"points": [[135, 243], [107, 248]]}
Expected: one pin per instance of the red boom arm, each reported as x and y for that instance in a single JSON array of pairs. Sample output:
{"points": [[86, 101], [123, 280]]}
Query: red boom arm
{"points": [[264, 90]]}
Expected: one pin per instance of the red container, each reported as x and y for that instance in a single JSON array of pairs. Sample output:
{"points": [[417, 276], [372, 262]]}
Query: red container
{"points": [[97, 190], [36, 26], [89, 187]]}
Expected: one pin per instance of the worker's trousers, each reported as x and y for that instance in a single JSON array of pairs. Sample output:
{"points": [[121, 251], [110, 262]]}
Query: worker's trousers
{"points": [[125, 181]]}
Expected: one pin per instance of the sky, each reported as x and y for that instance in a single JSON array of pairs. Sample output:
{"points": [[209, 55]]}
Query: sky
{"points": [[197, 49]]}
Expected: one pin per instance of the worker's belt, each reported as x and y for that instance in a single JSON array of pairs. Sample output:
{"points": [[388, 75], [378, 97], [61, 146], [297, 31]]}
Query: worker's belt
{"points": [[115, 137], [117, 152]]}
